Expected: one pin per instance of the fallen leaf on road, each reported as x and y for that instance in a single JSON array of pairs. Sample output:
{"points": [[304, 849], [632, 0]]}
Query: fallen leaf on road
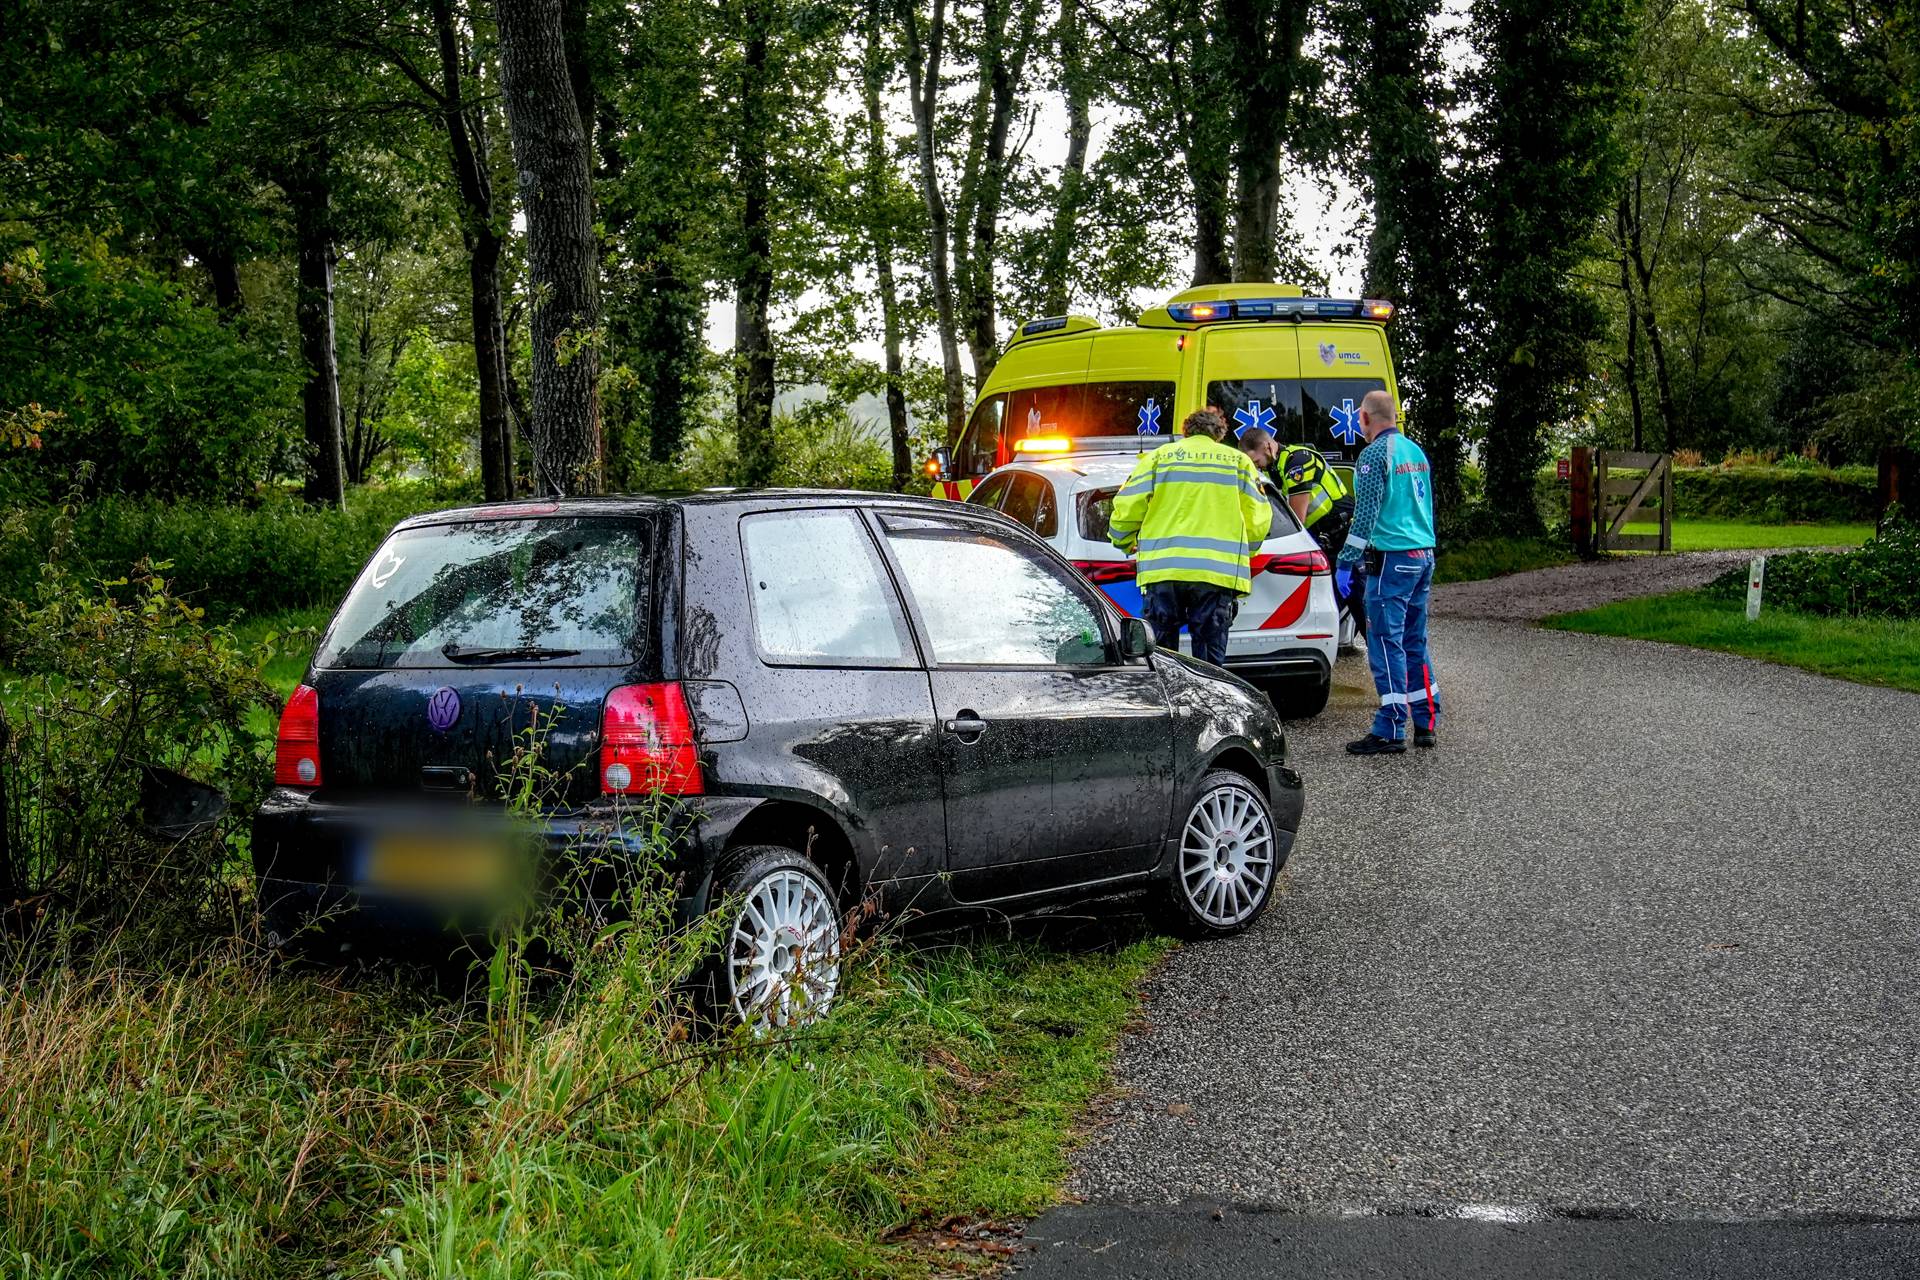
{"points": [[1179, 1109]]}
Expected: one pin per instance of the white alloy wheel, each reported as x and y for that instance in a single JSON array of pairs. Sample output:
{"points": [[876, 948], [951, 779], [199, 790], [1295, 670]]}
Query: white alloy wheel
{"points": [[783, 951], [1226, 856]]}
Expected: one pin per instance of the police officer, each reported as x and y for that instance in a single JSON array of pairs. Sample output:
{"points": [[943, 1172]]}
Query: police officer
{"points": [[1392, 535], [1191, 513], [1319, 500]]}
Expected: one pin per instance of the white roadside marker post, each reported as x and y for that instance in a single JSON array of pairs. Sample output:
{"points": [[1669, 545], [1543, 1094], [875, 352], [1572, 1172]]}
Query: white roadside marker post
{"points": [[1756, 576]]}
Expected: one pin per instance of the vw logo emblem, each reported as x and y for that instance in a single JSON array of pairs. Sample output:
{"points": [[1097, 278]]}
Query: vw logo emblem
{"points": [[443, 708]]}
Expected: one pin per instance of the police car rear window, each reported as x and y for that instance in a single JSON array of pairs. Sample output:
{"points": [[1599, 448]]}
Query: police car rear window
{"points": [[1322, 412], [1096, 514]]}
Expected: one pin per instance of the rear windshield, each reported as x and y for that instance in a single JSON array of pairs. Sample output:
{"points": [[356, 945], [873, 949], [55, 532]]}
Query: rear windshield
{"points": [[564, 592], [1096, 510], [1077, 409], [1322, 412]]}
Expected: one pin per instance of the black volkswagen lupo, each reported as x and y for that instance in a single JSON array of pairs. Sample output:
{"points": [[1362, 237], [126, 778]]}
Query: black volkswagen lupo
{"points": [[842, 698]]}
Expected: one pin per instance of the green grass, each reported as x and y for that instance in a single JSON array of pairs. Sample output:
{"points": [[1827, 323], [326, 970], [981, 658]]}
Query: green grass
{"points": [[1497, 557], [220, 1117], [292, 642], [1734, 535], [1875, 651]]}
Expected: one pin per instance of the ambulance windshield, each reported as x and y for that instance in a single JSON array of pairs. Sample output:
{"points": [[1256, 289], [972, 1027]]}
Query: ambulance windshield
{"points": [[1076, 410], [1322, 412]]}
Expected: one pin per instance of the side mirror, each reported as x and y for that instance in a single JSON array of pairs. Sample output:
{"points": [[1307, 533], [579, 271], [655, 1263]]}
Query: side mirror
{"points": [[940, 464], [1136, 638]]}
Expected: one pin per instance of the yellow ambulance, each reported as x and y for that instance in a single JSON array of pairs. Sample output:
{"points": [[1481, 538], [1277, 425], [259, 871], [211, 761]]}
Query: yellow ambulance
{"points": [[1259, 353]]}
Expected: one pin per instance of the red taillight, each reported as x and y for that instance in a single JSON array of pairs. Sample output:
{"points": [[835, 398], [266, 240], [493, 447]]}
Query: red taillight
{"points": [[1103, 571], [646, 743], [296, 752], [1306, 564]]}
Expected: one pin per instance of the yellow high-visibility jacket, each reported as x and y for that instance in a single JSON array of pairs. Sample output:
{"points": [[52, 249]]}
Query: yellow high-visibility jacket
{"points": [[1192, 511]]}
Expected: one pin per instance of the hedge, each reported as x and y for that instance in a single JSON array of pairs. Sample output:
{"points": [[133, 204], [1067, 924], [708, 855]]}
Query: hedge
{"points": [[228, 560], [1771, 495]]}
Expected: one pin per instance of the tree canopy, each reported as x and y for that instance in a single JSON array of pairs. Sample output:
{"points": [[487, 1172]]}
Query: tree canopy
{"points": [[254, 246]]}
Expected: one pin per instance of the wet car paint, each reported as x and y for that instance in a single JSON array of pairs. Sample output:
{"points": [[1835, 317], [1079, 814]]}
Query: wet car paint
{"points": [[1078, 786]]}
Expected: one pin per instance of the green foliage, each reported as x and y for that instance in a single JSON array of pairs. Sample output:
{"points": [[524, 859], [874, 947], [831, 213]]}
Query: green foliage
{"points": [[227, 560], [152, 389], [1551, 85], [1776, 493], [1880, 580], [114, 686]]}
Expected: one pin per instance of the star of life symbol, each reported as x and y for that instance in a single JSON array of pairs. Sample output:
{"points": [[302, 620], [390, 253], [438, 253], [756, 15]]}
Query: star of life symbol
{"points": [[1150, 417], [1251, 417], [1346, 422]]}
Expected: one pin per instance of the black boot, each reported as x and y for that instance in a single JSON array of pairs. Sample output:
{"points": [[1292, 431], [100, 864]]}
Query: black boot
{"points": [[1374, 745], [1423, 736]]}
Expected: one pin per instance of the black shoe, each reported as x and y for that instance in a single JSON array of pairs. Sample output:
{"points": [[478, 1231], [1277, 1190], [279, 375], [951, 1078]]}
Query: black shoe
{"points": [[1424, 738], [1374, 745]]}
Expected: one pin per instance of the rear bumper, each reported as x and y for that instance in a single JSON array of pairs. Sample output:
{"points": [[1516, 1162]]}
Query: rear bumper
{"points": [[310, 856], [1292, 663]]}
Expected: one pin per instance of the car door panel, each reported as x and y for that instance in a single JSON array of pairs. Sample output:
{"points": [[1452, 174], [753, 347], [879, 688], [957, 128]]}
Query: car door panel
{"points": [[1055, 772]]}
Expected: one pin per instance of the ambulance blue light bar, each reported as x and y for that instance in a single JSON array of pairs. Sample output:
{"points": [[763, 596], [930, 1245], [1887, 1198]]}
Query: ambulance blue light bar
{"points": [[1280, 308]]}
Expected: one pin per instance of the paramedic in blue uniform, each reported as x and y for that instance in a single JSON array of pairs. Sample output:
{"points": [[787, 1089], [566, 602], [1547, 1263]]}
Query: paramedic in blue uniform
{"points": [[1392, 535]]}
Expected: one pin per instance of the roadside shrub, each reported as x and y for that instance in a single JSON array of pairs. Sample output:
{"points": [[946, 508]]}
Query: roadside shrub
{"points": [[1881, 579], [227, 560], [121, 695], [1801, 492]]}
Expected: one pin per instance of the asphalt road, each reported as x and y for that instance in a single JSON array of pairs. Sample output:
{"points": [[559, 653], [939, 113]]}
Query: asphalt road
{"points": [[1639, 940]]}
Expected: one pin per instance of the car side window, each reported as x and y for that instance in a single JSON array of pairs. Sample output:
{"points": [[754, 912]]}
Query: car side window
{"points": [[989, 491], [820, 592], [1030, 501], [982, 447], [990, 601]]}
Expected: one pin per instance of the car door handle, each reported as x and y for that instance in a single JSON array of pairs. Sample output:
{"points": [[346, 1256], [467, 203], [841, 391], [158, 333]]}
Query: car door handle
{"points": [[966, 725]]}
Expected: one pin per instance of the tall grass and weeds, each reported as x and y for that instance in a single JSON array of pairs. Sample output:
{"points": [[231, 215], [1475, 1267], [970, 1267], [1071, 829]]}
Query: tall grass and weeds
{"points": [[181, 1101]]}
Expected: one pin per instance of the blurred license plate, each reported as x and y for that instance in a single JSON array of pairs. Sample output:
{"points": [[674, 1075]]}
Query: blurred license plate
{"points": [[436, 867]]}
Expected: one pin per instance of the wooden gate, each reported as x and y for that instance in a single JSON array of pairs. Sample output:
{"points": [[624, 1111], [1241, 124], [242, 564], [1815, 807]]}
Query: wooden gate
{"points": [[1620, 500]]}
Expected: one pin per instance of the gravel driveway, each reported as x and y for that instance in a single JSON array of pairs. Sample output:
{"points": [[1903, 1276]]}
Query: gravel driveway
{"points": [[1640, 937], [1541, 593]]}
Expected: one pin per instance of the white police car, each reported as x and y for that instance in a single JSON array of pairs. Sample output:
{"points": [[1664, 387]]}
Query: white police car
{"points": [[1287, 632]]}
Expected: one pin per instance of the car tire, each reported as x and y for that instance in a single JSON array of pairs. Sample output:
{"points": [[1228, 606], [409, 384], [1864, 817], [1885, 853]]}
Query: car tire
{"points": [[776, 966], [1302, 698], [1225, 859]]}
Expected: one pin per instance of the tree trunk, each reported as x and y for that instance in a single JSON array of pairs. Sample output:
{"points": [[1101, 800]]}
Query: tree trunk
{"points": [[309, 194], [466, 132], [1631, 366], [1266, 36], [1070, 39], [223, 273], [1643, 270], [1004, 66], [753, 374], [923, 88], [880, 232], [555, 168]]}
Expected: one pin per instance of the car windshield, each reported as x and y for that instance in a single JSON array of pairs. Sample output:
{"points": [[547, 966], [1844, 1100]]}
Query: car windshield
{"points": [[1079, 409], [560, 592]]}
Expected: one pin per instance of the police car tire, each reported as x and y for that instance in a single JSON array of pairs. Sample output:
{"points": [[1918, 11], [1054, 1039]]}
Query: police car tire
{"points": [[1180, 905], [1301, 699], [769, 890]]}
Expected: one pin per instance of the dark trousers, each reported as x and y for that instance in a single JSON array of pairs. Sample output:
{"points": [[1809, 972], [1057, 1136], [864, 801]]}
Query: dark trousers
{"points": [[1205, 611]]}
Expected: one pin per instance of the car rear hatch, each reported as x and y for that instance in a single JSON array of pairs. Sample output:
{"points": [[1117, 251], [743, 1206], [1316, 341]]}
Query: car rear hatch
{"points": [[470, 644]]}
